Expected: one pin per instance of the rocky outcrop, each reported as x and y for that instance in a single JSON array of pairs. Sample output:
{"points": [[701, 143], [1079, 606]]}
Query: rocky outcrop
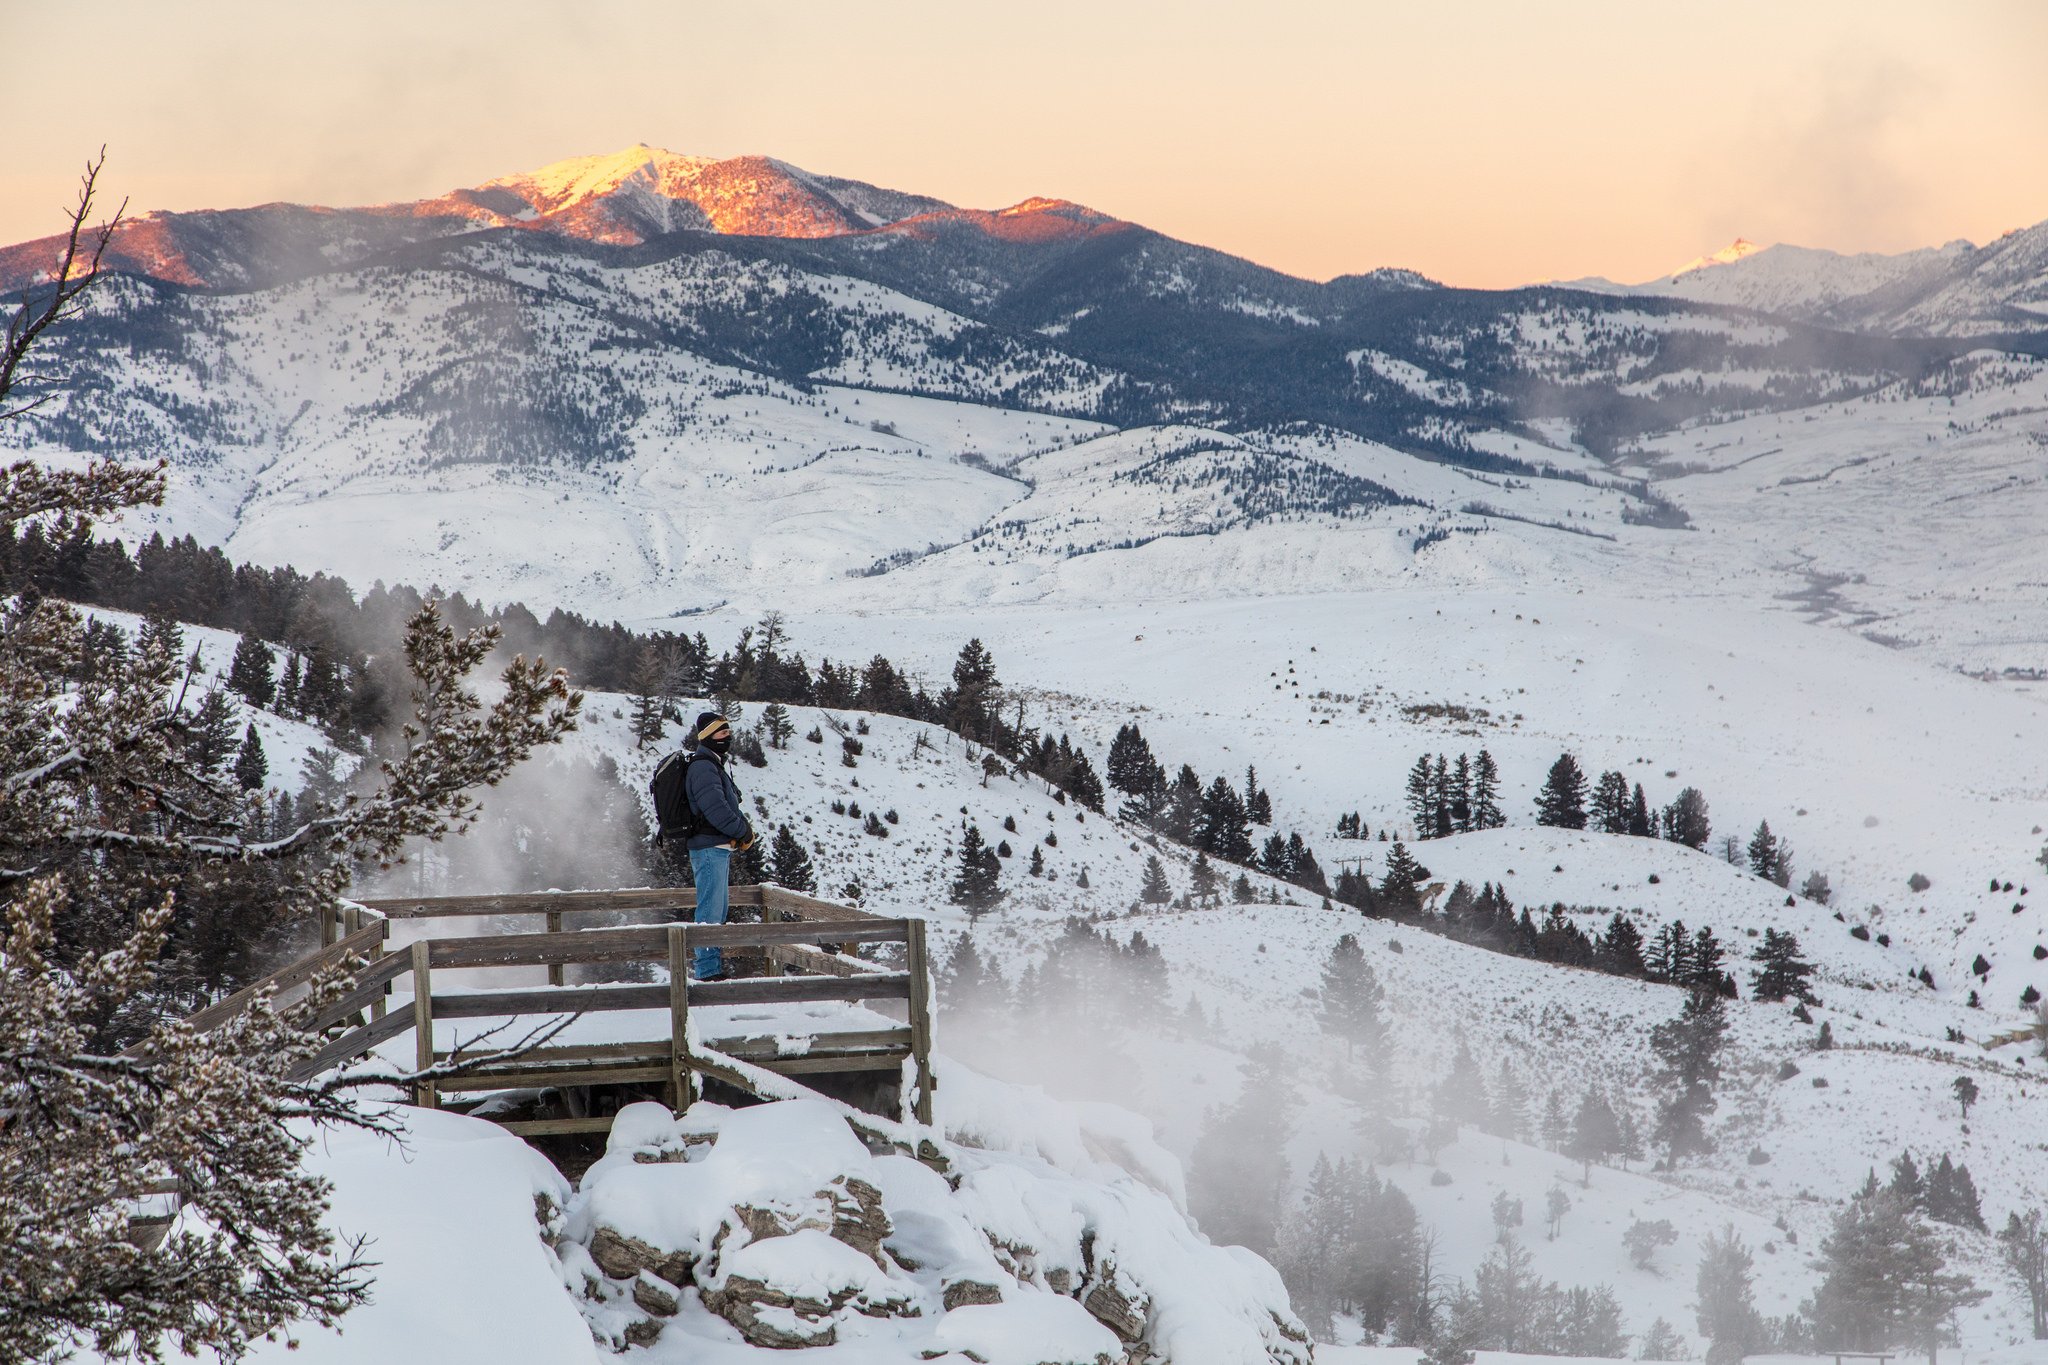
{"points": [[780, 1223]]}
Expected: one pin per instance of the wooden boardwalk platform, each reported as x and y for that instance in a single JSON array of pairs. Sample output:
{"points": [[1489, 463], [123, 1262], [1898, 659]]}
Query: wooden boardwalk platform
{"points": [[795, 944]]}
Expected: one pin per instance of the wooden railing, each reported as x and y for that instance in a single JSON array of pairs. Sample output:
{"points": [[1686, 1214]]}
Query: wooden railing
{"points": [[797, 939]]}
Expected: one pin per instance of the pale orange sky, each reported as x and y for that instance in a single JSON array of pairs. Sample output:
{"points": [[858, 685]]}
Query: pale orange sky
{"points": [[1483, 142]]}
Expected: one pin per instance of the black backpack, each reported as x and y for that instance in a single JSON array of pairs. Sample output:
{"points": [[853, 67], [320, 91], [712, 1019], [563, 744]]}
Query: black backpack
{"points": [[670, 785]]}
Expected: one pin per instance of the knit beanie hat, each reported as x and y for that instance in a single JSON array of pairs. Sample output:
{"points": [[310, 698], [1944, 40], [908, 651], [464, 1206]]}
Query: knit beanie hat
{"points": [[710, 723]]}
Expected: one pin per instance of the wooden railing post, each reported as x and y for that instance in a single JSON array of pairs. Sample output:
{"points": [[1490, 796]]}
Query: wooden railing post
{"points": [[423, 1024], [383, 947], [682, 1079], [555, 970], [920, 1017]]}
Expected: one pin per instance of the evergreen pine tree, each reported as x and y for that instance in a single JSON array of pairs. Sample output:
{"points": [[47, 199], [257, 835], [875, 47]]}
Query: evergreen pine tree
{"points": [[1670, 958], [1131, 766], [1610, 809], [1507, 1104], [1220, 825], [1783, 972], [1461, 795], [1763, 851], [1596, 1132], [1486, 812], [1640, 823], [1557, 1125], [1400, 884], [1685, 819], [250, 674], [2023, 1247], [1202, 879], [211, 738], [1037, 868], [1237, 1174], [288, 688], [1421, 798], [1440, 820], [647, 724], [1352, 1004], [1562, 802], [1155, 890], [1688, 1051], [1183, 806], [1704, 971], [978, 886], [1885, 1280], [1241, 890], [1258, 806], [251, 767], [1621, 947], [1724, 1300], [789, 866], [1461, 1095], [776, 724]]}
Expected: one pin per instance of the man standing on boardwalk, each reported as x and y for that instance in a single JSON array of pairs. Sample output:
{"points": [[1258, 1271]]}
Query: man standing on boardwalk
{"points": [[721, 827]]}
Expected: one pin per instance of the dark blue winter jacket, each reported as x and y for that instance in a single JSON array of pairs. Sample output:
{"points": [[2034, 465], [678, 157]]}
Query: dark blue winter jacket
{"points": [[716, 800]]}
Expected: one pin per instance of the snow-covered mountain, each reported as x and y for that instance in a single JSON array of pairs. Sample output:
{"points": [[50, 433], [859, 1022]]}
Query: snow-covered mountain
{"points": [[1958, 289]]}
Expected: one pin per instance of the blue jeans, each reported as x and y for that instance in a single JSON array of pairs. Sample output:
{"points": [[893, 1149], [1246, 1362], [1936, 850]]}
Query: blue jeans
{"points": [[711, 867]]}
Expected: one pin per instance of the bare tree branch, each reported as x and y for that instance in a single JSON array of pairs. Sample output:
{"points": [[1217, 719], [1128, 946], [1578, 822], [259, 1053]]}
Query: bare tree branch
{"points": [[72, 279]]}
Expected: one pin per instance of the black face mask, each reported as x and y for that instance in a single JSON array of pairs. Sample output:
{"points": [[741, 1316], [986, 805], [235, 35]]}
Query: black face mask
{"points": [[719, 746]]}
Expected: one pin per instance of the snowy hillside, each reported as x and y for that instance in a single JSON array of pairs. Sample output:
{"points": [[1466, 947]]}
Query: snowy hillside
{"points": [[1788, 1148]]}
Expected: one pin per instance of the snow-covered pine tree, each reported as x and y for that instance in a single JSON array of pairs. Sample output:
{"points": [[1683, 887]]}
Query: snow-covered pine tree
{"points": [[776, 724], [101, 1087]]}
